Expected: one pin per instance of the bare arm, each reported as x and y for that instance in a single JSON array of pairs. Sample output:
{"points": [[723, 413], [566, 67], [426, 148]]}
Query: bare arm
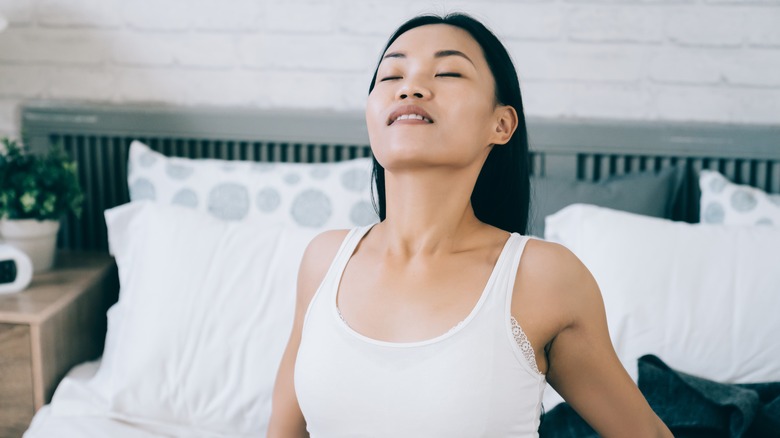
{"points": [[286, 416], [582, 364]]}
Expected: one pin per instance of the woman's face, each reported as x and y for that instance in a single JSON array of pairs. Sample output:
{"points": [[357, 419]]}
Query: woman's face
{"points": [[436, 79]]}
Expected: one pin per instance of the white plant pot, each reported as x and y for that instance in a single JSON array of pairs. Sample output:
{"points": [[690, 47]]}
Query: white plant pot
{"points": [[37, 239]]}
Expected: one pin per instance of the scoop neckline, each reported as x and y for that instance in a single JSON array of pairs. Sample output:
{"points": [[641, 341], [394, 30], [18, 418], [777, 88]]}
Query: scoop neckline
{"points": [[336, 313]]}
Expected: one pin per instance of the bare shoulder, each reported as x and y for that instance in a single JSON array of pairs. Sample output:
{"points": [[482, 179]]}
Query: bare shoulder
{"points": [[553, 262], [316, 260], [578, 356], [323, 247], [551, 276]]}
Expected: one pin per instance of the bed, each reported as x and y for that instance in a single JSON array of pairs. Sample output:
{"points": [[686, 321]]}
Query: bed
{"points": [[186, 356]]}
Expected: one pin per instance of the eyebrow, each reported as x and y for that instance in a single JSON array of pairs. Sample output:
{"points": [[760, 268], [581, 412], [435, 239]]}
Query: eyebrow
{"points": [[439, 54]]}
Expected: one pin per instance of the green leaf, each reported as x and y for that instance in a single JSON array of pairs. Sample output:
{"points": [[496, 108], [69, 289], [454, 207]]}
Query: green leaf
{"points": [[37, 186]]}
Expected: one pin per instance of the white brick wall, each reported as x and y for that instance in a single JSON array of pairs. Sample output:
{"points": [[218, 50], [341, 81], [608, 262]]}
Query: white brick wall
{"points": [[712, 60]]}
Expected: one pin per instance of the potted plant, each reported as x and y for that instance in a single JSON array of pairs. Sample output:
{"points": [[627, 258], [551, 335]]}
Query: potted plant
{"points": [[36, 191]]}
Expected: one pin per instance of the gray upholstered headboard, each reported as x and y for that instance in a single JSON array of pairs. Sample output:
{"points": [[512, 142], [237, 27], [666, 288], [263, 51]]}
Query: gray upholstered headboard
{"points": [[98, 137]]}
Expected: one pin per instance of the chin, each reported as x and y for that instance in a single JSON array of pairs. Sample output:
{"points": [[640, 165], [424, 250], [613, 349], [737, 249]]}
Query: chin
{"points": [[410, 152], [408, 157]]}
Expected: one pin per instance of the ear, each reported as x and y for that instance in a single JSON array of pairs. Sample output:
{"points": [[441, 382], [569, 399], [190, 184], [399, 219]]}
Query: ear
{"points": [[505, 124]]}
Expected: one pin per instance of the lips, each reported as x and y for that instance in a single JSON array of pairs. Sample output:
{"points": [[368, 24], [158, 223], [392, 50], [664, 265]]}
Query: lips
{"points": [[408, 112]]}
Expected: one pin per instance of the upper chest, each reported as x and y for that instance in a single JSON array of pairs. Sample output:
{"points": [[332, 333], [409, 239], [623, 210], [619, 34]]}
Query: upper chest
{"points": [[397, 299]]}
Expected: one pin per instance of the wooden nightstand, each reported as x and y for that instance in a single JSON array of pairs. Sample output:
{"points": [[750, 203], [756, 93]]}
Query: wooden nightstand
{"points": [[54, 324]]}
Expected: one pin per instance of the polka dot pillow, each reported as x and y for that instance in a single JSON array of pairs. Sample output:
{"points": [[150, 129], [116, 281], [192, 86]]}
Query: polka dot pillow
{"points": [[319, 196], [723, 202]]}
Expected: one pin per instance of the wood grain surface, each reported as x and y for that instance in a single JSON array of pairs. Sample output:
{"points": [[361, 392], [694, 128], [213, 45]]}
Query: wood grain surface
{"points": [[16, 383]]}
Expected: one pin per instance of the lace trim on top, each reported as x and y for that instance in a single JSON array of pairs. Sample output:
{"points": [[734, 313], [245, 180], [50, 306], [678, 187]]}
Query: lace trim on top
{"points": [[524, 344], [342, 316]]}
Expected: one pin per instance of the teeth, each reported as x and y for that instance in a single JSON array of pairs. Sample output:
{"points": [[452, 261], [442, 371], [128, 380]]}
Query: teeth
{"points": [[412, 116]]}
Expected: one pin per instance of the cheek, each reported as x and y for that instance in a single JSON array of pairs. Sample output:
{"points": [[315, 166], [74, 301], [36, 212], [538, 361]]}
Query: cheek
{"points": [[376, 122], [372, 104], [374, 113], [474, 117]]}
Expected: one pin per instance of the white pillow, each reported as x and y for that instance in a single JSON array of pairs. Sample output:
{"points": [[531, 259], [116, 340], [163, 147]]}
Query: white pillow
{"points": [[723, 202], [205, 311], [321, 196], [703, 298]]}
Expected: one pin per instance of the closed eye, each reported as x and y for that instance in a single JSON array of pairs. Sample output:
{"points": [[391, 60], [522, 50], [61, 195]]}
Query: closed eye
{"points": [[449, 75], [389, 78]]}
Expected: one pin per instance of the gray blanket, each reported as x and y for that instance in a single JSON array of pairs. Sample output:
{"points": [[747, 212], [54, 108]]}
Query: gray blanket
{"points": [[690, 406]]}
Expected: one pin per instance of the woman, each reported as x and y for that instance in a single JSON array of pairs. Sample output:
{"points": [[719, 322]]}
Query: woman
{"points": [[443, 320]]}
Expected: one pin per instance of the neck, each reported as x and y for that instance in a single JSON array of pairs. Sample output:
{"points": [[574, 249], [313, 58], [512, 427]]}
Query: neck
{"points": [[428, 212]]}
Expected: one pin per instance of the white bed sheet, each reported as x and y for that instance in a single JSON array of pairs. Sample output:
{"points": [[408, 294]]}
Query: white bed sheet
{"points": [[77, 411], [48, 425]]}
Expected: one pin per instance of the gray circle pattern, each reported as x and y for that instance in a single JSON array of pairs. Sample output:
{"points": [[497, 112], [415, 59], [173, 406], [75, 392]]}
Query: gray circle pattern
{"points": [[319, 172], [262, 167], [178, 171], [717, 183], [362, 214], [292, 178], [268, 200], [141, 189], [147, 159], [743, 201], [311, 208], [355, 179], [765, 221], [229, 201], [714, 213], [186, 198]]}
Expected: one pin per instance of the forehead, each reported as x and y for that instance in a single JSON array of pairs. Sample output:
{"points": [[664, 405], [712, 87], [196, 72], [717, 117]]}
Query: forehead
{"points": [[428, 39]]}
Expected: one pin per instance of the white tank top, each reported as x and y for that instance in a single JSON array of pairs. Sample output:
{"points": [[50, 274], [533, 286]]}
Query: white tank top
{"points": [[477, 380]]}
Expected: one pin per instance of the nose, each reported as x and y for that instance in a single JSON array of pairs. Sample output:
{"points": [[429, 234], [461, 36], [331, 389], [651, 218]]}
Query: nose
{"points": [[413, 89], [405, 94]]}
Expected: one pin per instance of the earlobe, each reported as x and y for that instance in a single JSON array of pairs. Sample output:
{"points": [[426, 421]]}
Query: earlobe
{"points": [[506, 123]]}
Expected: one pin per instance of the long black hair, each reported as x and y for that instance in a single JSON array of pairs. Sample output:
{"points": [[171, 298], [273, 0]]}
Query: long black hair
{"points": [[501, 195]]}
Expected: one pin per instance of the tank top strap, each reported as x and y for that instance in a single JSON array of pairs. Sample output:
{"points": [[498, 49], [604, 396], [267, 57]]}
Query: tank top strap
{"points": [[348, 246], [506, 275], [503, 277], [506, 269], [513, 262], [339, 263]]}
